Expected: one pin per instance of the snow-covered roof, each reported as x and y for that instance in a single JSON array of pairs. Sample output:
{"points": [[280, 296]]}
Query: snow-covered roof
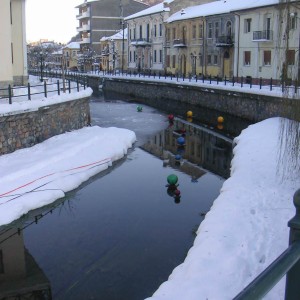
{"points": [[156, 9], [217, 7], [73, 45], [117, 36]]}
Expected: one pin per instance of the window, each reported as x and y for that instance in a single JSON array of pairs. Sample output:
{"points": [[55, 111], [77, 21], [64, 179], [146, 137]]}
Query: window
{"points": [[228, 28], [216, 30], [247, 58], [209, 30], [209, 59], [247, 25], [130, 56], [134, 33], [173, 33], [160, 29], [200, 59], [130, 36], [155, 30], [160, 56], [215, 59], [291, 57], [293, 20], [134, 56], [168, 61], [267, 58], [201, 31], [168, 35], [141, 31], [155, 56], [173, 61], [194, 32]]}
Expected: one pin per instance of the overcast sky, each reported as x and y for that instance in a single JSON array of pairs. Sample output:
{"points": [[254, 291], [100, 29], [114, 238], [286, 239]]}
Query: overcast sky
{"points": [[51, 19]]}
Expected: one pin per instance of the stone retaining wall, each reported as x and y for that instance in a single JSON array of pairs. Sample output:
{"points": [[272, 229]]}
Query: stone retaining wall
{"points": [[171, 96], [26, 129]]}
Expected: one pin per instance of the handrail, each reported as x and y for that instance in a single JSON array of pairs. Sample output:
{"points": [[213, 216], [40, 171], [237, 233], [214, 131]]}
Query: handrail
{"points": [[262, 284], [287, 263]]}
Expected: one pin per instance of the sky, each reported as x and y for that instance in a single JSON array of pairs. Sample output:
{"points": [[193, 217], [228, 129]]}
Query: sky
{"points": [[244, 231], [51, 19]]}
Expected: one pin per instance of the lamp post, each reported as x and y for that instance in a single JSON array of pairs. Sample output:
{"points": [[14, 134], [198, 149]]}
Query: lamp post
{"points": [[42, 65], [113, 55]]}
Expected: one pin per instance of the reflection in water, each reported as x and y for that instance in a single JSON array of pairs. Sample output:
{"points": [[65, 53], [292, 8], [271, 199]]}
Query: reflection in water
{"points": [[202, 148], [20, 276]]}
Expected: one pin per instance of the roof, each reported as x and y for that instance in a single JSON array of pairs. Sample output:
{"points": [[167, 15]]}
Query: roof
{"points": [[158, 8], [218, 7], [73, 45], [117, 36]]}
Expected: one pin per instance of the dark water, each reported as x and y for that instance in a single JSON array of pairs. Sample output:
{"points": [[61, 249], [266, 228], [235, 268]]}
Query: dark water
{"points": [[120, 235]]}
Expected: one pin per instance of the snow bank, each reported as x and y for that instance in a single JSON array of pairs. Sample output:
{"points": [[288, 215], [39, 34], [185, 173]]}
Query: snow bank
{"points": [[245, 230], [36, 176]]}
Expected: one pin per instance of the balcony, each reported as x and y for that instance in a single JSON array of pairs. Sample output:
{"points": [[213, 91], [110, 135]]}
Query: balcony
{"points": [[85, 40], [263, 36], [178, 43], [83, 15], [85, 27], [141, 42], [105, 52], [224, 41]]}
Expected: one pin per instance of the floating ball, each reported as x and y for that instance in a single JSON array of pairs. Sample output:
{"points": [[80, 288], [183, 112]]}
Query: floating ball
{"points": [[220, 119], [189, 114], [172, 179], [177, 192], [139, 108], [181, 141], [178, 157], [171, 117]]}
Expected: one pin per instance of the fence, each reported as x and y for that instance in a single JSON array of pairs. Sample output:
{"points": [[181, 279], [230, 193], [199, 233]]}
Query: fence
{"points": [[287, 263], [290, 87], [43, 89]]}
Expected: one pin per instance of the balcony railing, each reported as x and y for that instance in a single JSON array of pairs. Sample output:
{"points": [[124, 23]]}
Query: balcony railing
{"points": [[141, 42], [264, 35], [85, 14], [85, 40], [179, 43], [224, 41], [85, 27]]}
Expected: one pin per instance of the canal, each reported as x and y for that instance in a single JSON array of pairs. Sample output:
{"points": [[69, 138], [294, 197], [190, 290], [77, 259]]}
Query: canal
{"points": [[120, 235]]}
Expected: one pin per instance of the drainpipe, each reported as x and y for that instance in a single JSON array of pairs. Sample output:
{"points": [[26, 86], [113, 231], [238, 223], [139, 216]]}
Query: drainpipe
{"points": [[237, 49], [203, 47]]}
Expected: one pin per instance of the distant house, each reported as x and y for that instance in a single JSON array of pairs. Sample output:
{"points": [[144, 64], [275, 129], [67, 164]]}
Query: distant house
{"points": [[114, 53], [70, 55], [13, 58]]}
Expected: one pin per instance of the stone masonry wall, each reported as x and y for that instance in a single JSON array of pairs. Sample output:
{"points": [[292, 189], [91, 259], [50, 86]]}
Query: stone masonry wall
{"points": [[29, 128], [171, 96]]}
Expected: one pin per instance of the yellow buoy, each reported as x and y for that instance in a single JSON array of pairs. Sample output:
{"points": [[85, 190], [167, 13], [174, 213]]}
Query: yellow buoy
{"points": [[220, 119], [189, 114]]}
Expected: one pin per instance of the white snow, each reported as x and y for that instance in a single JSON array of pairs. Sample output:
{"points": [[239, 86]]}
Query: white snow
{"points": [[245, 230], [217, 7], [156, 9], [36, 176]]}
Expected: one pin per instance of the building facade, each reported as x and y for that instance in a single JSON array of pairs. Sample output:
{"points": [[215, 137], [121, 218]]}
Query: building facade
{"points": [[146, 34], [13, 58], [70, 56], [99, 18]]}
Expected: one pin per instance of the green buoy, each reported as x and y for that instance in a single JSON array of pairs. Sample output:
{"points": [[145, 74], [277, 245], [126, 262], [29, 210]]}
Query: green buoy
{"points": [[172, 179]]}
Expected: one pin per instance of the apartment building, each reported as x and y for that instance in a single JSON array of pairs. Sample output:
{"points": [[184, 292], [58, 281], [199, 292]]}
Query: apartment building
{"points": [[268, 41], [146, 38], [13, 58], [99, 18]]}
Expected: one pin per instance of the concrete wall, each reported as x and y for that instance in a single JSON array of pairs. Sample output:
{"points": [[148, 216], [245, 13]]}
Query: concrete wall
{"points": [[170, 97], [27, 129]]}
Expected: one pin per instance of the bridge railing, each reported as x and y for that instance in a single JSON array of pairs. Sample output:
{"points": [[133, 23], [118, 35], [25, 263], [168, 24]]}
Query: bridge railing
{"points": [[287, 263]]}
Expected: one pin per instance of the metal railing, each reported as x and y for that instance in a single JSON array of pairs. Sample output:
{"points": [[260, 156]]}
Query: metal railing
{"points": [[264, 35], [43, 89], [287, 263]]}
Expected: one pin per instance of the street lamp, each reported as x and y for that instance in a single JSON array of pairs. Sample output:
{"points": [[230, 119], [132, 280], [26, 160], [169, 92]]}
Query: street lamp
{"points": [[42, 60], [113, 54]]}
